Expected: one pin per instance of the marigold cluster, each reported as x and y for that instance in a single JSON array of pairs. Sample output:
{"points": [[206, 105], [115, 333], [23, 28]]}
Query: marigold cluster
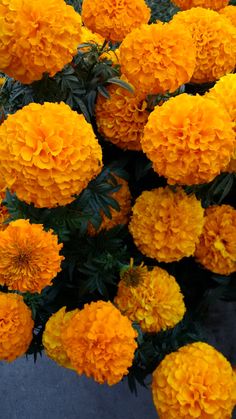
{"points": [[37, 36], [52, 341], [123, 198], [189, 139], [216, 249], [122, 117], [154, 300], [154, 59], [207, 4], [114, 20], [166, 225], [29, 256], [195, 382], [100, 342], [215, 40], [44, 161], [16, 327], [230, 13]]}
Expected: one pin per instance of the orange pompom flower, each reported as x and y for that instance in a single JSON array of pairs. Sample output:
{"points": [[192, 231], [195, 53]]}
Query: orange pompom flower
{"points": [[230, 13], [122, 117], [216, 249], [215, 40], [44, 161], [114, 20], [29, 256], [197, 381], [52, 341], [37, 36], [207, 4], [16, 326], [189, 139], [100, 342], [166, 225], [152, 298], [154, 58]]}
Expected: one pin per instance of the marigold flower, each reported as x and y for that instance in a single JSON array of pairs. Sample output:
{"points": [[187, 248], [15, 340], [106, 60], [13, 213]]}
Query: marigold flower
{"points": [[16, 326], [154, 59], [121, 119], [207, 4], [113, 20], [111, 55], [215, 40], [37, 36], [44, 161], [100, 342], [88, 36], [189, 139], [166, 225], [52, 341], [230, 13], [29, 256], [216, 249], [2, 81], [195, 382], [155, 300], [123, 198]]}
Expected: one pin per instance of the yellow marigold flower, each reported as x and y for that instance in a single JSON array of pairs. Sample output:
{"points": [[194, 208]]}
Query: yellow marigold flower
{"points": [[194, 382], [112, 55], [100, 342], [37, 36], [123, 197], [46, 161], [154, 59], [230, 13], [88, 36], [155, 301], [215, 40], [2, 81], [29, 256], [16, 326], [207, 4], [166, 225], [122, 118], [52, 341], [189, 139], [216, 249], [114, 20]]}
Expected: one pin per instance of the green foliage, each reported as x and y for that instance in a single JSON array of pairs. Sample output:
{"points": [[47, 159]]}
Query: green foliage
{"points": [[162, 10], [77, 4]]}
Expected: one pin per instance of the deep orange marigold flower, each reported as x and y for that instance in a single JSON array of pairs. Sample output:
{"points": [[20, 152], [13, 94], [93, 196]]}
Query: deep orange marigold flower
{"points": [[44, 161], [114, 19], [207, 4], [154, 59], [154, 299], [37, 36], [189, 139], [122, 117], [52, 341], [216, 249], [100, 342], [197, 381], [29, 256], [16, 326], [215, 40], [123, 198], [166, 225], [230, 13]]}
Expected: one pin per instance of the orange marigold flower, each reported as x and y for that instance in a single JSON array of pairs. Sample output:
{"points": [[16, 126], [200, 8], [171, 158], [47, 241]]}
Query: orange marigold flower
{"points": [[123, 198], [100, 342], [29, 256], [216, 249], [154, 300], [122, 117], [44, 161], [166, 225], [114, 20], [16, 326], [37, 36], [207, 4], [230, 13], [195, 382], [52, 341], [154, 59], [189, 139], [215, 40]]}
